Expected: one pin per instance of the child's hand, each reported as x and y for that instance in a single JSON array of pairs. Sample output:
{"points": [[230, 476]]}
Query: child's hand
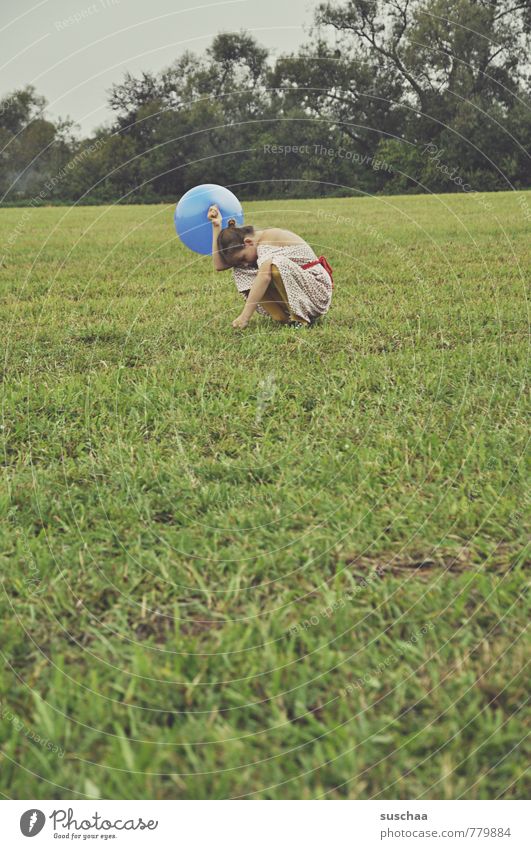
{"points": [[241, 322], [214, 215]]}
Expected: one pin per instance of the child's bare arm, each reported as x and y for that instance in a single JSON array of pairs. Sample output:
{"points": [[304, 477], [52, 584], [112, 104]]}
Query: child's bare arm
{"points": [[256, 294], [214, 216]]}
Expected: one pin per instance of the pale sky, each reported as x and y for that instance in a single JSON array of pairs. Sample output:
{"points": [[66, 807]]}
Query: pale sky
{"points": [[73, 50]]}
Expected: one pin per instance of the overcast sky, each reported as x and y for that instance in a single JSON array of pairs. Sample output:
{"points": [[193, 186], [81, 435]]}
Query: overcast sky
{"points": [[73, 50]]}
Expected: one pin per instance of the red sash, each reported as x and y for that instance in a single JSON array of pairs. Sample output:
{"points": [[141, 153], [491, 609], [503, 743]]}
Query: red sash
{"points": [[321, 261]]}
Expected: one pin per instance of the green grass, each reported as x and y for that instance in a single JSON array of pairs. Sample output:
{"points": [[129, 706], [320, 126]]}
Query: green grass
{"points": [[188, 514]]}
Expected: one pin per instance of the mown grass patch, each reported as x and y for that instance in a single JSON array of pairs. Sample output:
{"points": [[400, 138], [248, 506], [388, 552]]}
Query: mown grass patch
{"points": [[279, 563]]}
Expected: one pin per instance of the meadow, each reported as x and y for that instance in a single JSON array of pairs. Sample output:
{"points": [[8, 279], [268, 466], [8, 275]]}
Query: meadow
{"points": [[277, 563]]}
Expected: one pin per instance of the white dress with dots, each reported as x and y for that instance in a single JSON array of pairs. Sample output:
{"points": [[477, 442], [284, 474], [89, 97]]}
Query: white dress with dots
{"points": [[309, 290]]}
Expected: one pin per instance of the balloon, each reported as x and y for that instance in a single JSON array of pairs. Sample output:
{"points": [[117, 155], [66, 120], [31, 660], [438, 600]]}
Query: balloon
{"points": [[191, 222]]}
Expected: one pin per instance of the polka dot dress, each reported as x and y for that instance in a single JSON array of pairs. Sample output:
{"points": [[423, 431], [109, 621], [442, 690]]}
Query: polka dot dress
{"points": [[309, 290]]}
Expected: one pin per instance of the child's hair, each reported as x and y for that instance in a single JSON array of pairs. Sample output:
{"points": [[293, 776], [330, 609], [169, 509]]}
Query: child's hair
{"points": [[231, 240]]}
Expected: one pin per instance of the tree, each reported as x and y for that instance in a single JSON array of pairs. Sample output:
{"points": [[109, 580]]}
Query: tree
{"points": [[405, 73], [32, 146], [388, 95]]}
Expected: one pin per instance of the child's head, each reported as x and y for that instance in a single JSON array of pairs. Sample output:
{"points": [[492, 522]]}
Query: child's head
{"points": [[237, 245]]}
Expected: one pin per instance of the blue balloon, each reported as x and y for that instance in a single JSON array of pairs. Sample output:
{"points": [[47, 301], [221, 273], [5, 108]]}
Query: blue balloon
{"points": [[191, 222]]}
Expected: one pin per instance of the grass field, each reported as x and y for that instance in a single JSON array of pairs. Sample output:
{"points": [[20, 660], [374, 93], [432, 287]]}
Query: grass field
{"points": [[273, 564]]}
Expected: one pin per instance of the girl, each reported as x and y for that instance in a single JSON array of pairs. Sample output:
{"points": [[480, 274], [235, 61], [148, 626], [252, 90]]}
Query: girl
{"points": [[275, 270]]}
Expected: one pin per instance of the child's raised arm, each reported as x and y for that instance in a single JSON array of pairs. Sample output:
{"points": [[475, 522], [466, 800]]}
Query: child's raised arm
{"points": [[214, 215]]}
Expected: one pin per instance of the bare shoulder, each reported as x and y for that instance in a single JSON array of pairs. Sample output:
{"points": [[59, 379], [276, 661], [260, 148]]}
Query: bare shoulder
{"points": [[279, 237]]}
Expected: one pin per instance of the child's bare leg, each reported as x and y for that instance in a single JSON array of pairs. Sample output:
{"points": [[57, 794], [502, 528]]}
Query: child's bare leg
{"points": [[273, 304], [278, 283]]}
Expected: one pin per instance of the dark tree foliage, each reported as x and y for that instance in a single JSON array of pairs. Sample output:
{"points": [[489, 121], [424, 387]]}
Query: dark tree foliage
{"points": [[31, 147], [386, 96]]}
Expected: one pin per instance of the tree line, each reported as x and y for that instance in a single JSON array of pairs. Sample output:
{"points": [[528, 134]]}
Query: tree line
{"points": [[385, 96]]}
